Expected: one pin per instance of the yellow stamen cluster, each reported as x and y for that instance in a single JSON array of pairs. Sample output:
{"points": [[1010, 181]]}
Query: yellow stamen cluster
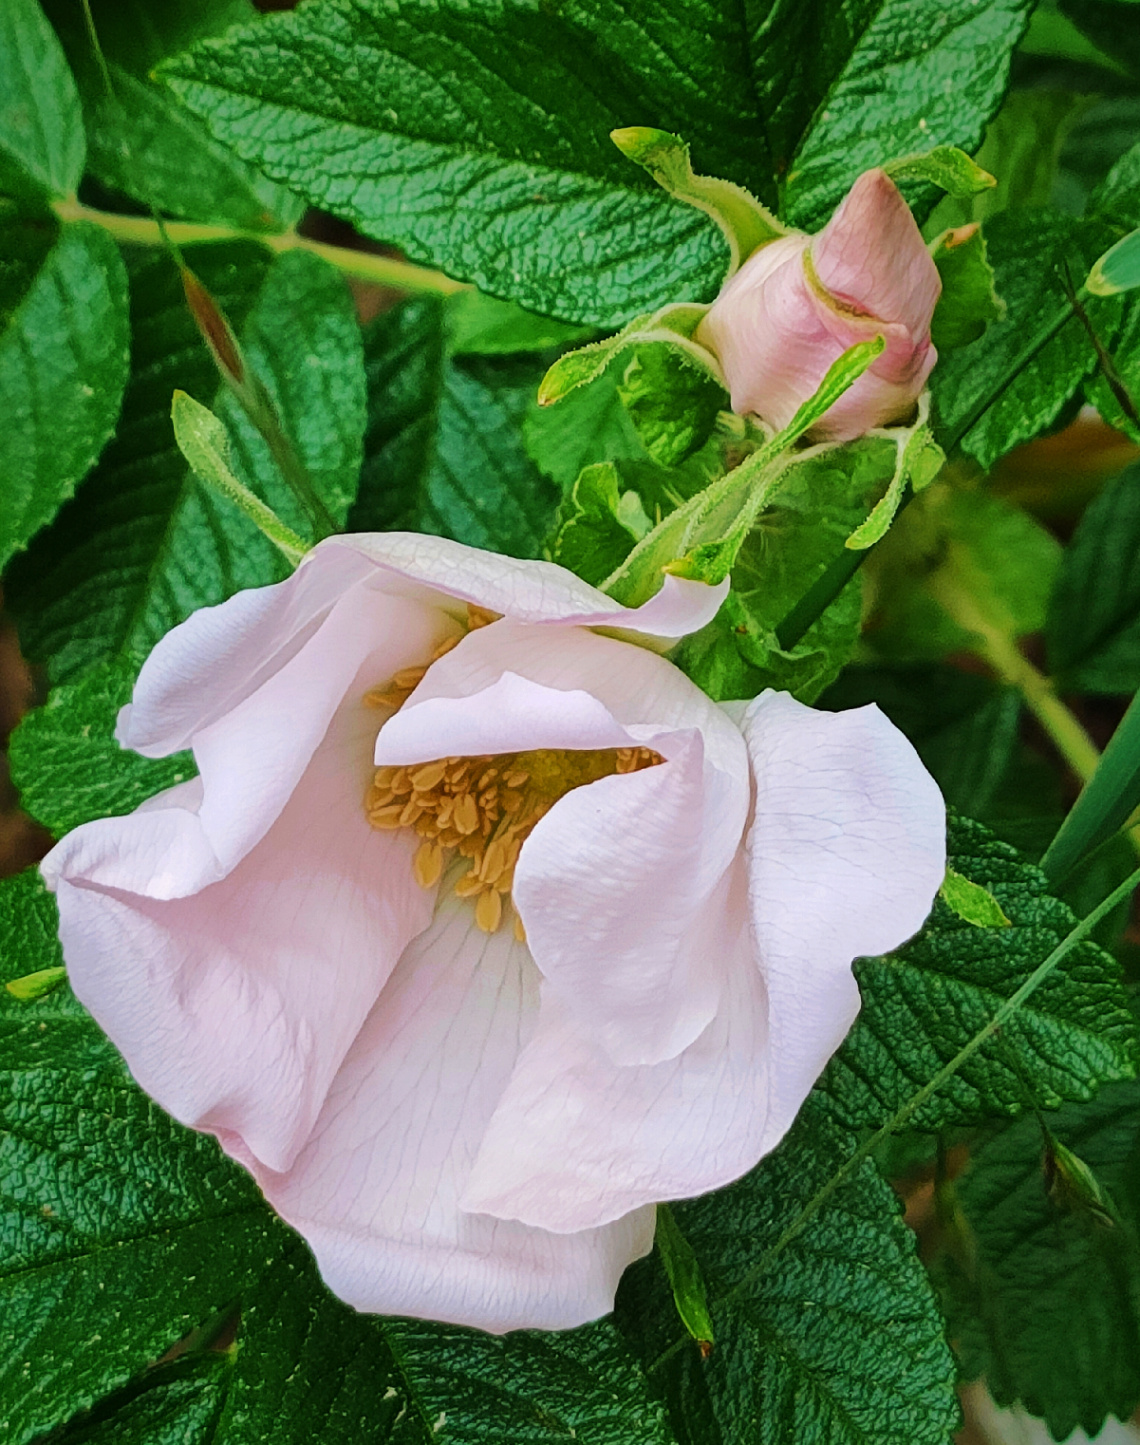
{"points": [[483, 808], [394, 694]]}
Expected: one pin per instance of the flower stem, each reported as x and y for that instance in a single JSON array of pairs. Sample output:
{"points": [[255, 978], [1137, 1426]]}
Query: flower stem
{"points": [[361, 265]]}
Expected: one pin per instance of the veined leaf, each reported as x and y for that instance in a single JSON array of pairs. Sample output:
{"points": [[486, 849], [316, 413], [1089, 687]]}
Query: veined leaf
{"points": [[63, 366], [922, 1003], [506, 106], [42, 145], [834, 1338]]}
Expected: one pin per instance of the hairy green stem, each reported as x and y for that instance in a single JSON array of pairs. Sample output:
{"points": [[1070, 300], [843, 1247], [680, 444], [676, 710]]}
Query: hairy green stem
{"points": [[361, 265], [908, 1110]]}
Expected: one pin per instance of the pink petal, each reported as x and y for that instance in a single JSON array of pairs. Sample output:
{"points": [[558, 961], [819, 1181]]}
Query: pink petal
{"points": [[376, 1191], [846, 854], [578, 1141], [871, 255], [618, 870], [235, 992], [538, 592]]}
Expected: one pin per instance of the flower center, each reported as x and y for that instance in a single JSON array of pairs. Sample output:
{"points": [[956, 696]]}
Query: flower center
{"points": [[482, 808]]}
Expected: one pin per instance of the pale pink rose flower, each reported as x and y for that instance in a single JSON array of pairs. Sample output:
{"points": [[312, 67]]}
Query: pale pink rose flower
{"points": [[464, 1125], [777, 327]]}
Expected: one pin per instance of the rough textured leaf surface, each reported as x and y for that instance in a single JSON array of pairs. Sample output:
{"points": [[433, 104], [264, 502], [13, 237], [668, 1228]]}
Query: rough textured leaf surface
{"points": [[394, 115], [41, 125], [834, 1338], [925, 1001], [1046, 1302], [63, 366]]}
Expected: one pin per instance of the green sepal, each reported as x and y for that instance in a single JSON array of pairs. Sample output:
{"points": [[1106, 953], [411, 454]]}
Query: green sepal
{"points": [[1073, 1187], [746, 224], [918, 461], [702, 539], [972, 902], [683, 1270], [969, 300], [203, 441], [944, 166], [1118, 269], [673, 325]]}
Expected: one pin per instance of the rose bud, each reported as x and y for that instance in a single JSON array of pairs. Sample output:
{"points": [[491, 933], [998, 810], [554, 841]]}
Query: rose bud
{"points": [[482, 930], [797, 304]]}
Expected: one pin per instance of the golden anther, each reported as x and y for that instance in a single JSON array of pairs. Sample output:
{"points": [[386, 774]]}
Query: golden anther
{"points": [[425, 778], [428, 864], [408, 678], [489, 911], [520, 931], [479, 617], [466, 815]]}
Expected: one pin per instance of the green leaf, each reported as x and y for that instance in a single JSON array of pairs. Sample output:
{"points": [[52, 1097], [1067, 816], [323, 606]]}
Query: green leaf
{"points": [[969, 299], [1110, 25], [1030, 255], [443, 449], [936, 73], [673, 405], [119, 1231], [141, 141], [1047, 1302], [597, 533], [144, 543], [1025, 250], [744, 222], [685, 1278], [1093, 627], [947, 167], [67, 764], [588, 425], [971, 901], [41, 127], [506, 111], [1118, 269], [36, 985], [922, 1003], [173, 1404], [834, 1338], [63, 366], [479, 325]]}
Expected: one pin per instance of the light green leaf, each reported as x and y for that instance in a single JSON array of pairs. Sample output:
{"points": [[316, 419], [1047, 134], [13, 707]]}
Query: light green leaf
{"points": [[918, 461], [596, 533], [969, 299], [144, 543], [1093, 626], [36, 985], [922, 1003], [203, 441], [744, 222], [946, 167], [1046, 1303], [588, 425], [834, 1338], [971, 901], [673, 405], [685, 1279], [41, 127], [1026, 251], [63, 366], [443, 449], [1118, 269], [141, 141]]}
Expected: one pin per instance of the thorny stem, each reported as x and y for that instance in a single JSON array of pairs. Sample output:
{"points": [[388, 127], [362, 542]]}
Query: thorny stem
{"points": [[903, 1116], [362, 266]]}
